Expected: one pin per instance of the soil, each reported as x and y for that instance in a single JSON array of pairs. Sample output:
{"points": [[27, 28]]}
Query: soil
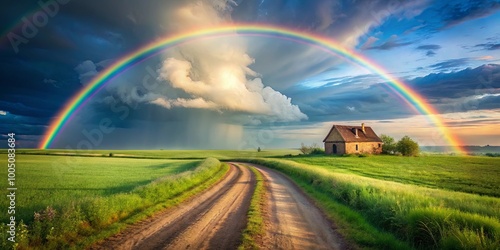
{"points": [[216, 218], [294, 222]]}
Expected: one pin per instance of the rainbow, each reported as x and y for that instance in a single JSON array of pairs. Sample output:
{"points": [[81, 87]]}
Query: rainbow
{"points": [[157, 46]]}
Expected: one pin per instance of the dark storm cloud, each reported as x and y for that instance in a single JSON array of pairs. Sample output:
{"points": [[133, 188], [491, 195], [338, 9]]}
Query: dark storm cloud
{"points": [[450, 64], [429, 47], [38, 77], [489, 102], [391, 44], [26, 107], [440, 15], [354, 98], [430, 53], [459, 84], [464, 90], [344, 19], [456, 12], [41, 76], [488, 46]]}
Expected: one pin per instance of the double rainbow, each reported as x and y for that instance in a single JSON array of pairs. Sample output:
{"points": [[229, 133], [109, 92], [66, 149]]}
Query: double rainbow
{"points": [[155, 47]]}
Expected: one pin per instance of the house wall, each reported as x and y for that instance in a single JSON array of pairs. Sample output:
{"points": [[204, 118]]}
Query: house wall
{"points": [[364, 148], [329, 148], [334, 136]]}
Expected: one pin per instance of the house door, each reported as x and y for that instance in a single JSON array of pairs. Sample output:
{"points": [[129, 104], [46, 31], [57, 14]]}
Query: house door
{"points": [[334, 148]]}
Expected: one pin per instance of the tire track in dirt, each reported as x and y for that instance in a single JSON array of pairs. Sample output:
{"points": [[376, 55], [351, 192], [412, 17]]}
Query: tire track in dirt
{"points": [[214, 219], [293, 221]]}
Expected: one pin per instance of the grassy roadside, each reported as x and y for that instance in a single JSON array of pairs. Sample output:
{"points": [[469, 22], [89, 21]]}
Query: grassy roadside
{"points": [[255, 219], [381, 214], [91, 219], [470, 174], [359, 233]]}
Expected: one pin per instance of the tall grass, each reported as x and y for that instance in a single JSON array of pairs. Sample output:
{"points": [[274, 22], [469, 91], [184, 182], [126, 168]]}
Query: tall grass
{"points": [[55, 181], [255, 217], [95, 216], [424, 217], [478, 174]]}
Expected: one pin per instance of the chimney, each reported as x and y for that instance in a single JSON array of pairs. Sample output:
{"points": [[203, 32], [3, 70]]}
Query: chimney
{"points": [[363, 128], [355, 130]]}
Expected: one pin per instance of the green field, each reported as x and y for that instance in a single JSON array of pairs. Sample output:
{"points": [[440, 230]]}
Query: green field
{"points": [[57, 180], [399, 202], [478, 174], [426, 202], [166, 154], [68, 201]]}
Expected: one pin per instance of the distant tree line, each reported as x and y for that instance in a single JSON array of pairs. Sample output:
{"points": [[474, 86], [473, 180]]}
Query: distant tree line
{"points": [[406, 146]]}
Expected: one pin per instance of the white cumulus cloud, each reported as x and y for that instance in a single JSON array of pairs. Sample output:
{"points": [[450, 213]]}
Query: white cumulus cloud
{"points": [[215, 74], [86, 70]]}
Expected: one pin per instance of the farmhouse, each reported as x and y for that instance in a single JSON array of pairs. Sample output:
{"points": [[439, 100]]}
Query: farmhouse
{"points": [[352, 140]]}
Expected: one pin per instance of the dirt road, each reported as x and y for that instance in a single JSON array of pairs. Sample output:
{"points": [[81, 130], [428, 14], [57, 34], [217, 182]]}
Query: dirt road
{"points": [[216, 218], [294, 221]]}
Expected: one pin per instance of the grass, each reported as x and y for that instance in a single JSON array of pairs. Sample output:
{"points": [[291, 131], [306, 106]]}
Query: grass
{"points": [[255, 220], [56, 181], [83, 219], [164, 154], [478, 174], [426, 202], [424, 218]]}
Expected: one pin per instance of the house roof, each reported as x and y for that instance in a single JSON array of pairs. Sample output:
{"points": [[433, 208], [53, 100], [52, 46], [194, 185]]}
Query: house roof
{"points": [[349, 135]]}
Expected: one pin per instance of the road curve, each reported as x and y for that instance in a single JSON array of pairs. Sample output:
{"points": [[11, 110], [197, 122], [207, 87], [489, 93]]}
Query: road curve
{"points": [[294, 221], [214, 219]]}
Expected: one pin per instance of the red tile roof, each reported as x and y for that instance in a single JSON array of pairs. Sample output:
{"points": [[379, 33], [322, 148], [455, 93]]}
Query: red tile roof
{"points": [[348, 134]]}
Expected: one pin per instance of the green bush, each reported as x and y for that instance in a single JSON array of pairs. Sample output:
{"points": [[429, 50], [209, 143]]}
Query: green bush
{"points": [[407, 147], [314, 149], [317, 151], [389, 146], [493, 154]]}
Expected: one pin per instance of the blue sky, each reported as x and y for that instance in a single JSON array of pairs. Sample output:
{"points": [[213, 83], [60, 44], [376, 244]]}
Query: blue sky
{"points": [[246, 92]]}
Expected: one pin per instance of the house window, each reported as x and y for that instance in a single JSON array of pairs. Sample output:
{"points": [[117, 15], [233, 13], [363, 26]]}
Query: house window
{"points": [[379, 145], [356, 147]]}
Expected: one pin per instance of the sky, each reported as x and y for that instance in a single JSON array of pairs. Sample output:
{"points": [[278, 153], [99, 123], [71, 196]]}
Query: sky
{"points": [[243, 92]]}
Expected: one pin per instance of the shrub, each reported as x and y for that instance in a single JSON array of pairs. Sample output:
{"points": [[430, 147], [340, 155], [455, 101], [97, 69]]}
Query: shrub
{"points": [[389, 146], [317, 151], [305, 149], [314, 149], [407, 147], [493, 154]]}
